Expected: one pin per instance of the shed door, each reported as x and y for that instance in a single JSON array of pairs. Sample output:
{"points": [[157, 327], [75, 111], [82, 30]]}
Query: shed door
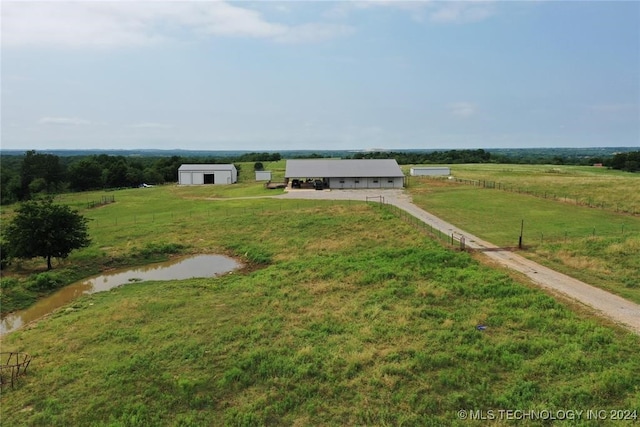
{"points": [[209, 178]]}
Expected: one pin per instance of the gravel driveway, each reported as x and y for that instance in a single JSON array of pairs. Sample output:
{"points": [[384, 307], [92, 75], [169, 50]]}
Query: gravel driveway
{"points": [[613, 307]]}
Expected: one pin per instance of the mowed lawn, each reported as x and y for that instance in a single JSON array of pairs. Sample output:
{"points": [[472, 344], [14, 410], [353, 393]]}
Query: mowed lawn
{"points": [[345, 316]]}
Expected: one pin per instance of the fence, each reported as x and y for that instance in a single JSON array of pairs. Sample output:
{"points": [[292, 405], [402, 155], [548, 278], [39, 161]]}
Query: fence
{"points": [[104, 201], [565, 198], [13, 365], [458, 241], [454, 239]]}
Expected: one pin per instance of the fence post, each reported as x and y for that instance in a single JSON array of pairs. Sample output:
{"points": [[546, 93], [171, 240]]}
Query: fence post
{"points": [[520, 239]]}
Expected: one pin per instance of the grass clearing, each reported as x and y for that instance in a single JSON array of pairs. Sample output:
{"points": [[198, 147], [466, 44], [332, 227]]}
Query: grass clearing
{"points": [[376, 328], [597, 246], [603, 188]]}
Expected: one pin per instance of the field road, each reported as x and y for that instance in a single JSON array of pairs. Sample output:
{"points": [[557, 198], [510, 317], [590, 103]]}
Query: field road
{"points": [[613, 307]]}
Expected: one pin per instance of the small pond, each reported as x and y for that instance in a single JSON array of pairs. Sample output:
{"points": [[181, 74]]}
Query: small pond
{"points": [[177, 269]]}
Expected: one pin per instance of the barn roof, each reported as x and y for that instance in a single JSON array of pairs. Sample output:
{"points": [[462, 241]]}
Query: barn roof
{"points": [[206, 167], [348, 168]]}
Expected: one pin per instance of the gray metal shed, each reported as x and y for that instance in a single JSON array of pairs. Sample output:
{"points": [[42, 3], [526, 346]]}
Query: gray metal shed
{"points": [[430, 171], [348, 173], [263, 175], [199, 174]]}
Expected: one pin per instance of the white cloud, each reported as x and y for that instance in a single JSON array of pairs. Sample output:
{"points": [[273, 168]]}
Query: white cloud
{"points": [[462, 109], [444, 12], [63, 121], [461, 11], [314, 32], [136, 23]]}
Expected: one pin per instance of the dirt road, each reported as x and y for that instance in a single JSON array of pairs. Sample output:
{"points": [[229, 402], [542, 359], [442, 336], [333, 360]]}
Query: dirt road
{"points": [[613, 307]]}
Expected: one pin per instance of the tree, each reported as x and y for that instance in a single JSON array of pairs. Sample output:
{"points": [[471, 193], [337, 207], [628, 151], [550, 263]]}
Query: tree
{"points": [[46, 168], [85, 174], [44, 229]]}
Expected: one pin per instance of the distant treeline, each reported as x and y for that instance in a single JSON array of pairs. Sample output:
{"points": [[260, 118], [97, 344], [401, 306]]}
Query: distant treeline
{"points": [[629, 161], [25, 176]]}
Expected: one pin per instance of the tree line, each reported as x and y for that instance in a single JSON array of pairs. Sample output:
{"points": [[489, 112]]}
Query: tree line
{"points": [[628, 161], [23, 177]]}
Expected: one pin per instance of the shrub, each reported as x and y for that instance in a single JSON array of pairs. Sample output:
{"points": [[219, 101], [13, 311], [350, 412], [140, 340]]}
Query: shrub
{"points": [[7, 283], [5, 256], [44, 282]]}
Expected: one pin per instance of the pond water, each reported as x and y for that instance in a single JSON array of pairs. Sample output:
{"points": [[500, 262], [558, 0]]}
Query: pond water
{"points": [[184, 268]]}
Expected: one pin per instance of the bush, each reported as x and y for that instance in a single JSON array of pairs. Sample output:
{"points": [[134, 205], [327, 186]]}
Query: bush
{"points": [[5, 256], [44, 282], [8, 283]]}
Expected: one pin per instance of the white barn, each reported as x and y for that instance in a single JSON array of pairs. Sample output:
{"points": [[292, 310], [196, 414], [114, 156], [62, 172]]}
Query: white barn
{"points": [[348, 173], [199, 174], [430, 171]]}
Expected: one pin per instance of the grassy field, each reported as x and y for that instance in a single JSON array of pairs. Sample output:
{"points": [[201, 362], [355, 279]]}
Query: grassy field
{"points": [[599, 246], [612, 190], [346, 316]]}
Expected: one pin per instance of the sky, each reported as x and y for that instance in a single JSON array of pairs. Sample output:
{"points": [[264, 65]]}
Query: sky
{"points": [[304, 75]]}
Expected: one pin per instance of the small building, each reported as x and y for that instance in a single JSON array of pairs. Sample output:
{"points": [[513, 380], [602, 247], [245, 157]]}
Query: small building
{"points": [[430, 171], [263, 175], [344, 174], [199, 174]]}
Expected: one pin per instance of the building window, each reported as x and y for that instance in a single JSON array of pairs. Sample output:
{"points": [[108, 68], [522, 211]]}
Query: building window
{"points": [[390, 181], [342, 181], [375, 181], [357, 181]]}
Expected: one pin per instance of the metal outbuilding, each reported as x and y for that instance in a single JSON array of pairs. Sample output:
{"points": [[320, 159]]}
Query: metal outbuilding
{"points": [[199, 174], [347, 173], [430, 171], [263, 175]]}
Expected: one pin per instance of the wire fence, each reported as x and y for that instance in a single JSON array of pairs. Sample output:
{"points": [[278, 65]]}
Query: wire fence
{"points": [[453, 239], [521, 241], [276, 209], [587, 201]]}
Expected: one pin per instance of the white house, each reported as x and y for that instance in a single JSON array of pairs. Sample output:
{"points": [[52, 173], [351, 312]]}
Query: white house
{"points": [[348, 173], [199, 174]]}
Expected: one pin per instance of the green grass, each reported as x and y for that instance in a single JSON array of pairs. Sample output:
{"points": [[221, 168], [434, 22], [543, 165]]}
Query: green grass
{"points": [[607, 189], [596, 245], [352, 318]]}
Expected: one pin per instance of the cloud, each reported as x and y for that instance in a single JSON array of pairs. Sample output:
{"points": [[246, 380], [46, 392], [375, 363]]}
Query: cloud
{"points": [[460, 12], [442, 12], [63, 121], [314, 32], [462, 109], [139, 23]]}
